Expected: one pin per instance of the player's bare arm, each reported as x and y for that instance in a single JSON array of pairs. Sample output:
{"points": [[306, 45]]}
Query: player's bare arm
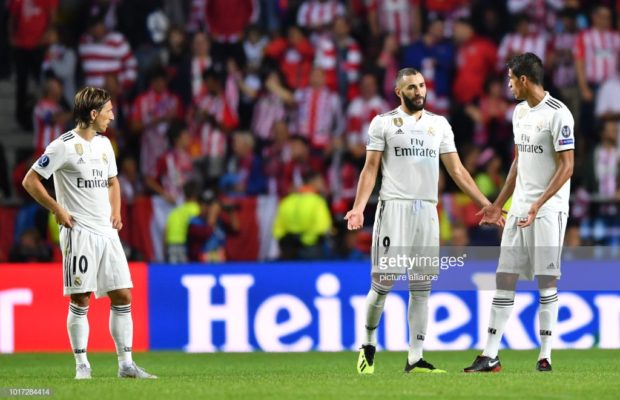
{"points": [[368, 177], [114, 190], [565, 162], [495, 212], [34, 187], [466, 183]]}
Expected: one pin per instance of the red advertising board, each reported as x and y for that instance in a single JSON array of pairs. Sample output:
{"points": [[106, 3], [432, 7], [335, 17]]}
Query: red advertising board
{"points": [[33, 311]]}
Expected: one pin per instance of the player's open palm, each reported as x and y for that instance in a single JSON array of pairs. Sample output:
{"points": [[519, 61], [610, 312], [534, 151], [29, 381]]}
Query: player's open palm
{"points": [[355, 219], [491, 215]]}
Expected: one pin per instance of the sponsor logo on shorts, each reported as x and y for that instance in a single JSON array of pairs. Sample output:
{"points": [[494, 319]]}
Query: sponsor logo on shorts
{"points": [[551, 266]]}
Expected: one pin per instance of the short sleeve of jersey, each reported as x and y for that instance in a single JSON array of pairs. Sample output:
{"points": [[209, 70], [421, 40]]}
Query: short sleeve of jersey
{"points": [[447, 138], [52, 159], [112, 168], [376, 135], [562, 130]]}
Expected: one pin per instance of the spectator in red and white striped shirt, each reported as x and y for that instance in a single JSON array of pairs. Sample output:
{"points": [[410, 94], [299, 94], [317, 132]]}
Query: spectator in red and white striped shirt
{"points": [[344, 173], [213, 116], [340, 57], [402, 18], [596, 60], [524, 39], [152, 112], [269, 109], [316, 15], [102, 52], [596, 53], [563, 64], [201, 60], [50, 119], [359, 114], [542, 14], [319, 113]]}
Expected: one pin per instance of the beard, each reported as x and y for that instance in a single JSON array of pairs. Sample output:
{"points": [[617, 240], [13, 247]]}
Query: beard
{"points": [[412, 105]]}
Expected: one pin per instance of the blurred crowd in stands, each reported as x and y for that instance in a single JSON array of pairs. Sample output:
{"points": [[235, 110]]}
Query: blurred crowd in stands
{"points": [[238, 119]]}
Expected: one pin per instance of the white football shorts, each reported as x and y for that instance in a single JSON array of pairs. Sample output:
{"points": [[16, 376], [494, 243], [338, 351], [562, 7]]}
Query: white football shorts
{"points": [[405, 237], [534, 250], [92, 262]]}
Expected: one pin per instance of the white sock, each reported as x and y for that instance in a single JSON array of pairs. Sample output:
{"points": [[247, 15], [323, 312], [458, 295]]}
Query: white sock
{"points": [[374, 309], [503, 302], [548, 317], [121, 328], [417, 316], [78, 329]]}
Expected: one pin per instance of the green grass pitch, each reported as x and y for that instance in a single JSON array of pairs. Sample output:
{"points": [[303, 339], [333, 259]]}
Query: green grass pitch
{"points": [[578, 374]]}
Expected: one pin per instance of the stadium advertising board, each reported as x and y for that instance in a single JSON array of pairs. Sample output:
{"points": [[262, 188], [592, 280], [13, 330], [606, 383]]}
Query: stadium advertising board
{"points": [[302, 306], [33, 311]]}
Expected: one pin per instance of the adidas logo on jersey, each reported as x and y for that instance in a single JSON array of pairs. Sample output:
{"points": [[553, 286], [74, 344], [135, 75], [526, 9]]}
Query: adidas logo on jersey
{"points": [[400, 132], [81, 161]]}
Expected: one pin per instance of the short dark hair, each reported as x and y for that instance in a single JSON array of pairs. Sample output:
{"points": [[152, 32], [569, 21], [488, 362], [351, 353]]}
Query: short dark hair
{"points": [[88, 99], [405, 72], [529, 65]]}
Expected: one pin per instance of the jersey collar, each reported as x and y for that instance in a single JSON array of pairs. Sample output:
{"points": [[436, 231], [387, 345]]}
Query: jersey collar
{"points": [[544, 99]]}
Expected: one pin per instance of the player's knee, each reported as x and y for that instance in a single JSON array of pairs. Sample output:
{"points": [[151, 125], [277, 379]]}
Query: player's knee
{"points": [[81, 299], [506, 281], [547, 281], [120, 297]]}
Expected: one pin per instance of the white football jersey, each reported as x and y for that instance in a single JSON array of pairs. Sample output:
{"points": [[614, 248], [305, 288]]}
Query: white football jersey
{"points": [[81, 171], [411, 149], [540, 133]]}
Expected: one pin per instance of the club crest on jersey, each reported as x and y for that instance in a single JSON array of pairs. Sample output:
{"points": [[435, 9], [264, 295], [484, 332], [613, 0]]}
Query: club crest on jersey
{"points": [[104, 157], [79, 149], [565, 131], [539, 126], [521, 113], [431, 131], [398, 121]]}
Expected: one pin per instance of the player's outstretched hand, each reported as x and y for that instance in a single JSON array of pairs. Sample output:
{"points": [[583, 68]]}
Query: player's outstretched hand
{"points": [[531, 215], [491, 215], [117, 223], [355, 219], [63, 218]]}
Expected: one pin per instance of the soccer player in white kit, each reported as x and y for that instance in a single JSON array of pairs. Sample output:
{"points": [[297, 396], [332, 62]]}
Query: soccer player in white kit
{"points": [[88, 209], [534, 232], [407, 143]]}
